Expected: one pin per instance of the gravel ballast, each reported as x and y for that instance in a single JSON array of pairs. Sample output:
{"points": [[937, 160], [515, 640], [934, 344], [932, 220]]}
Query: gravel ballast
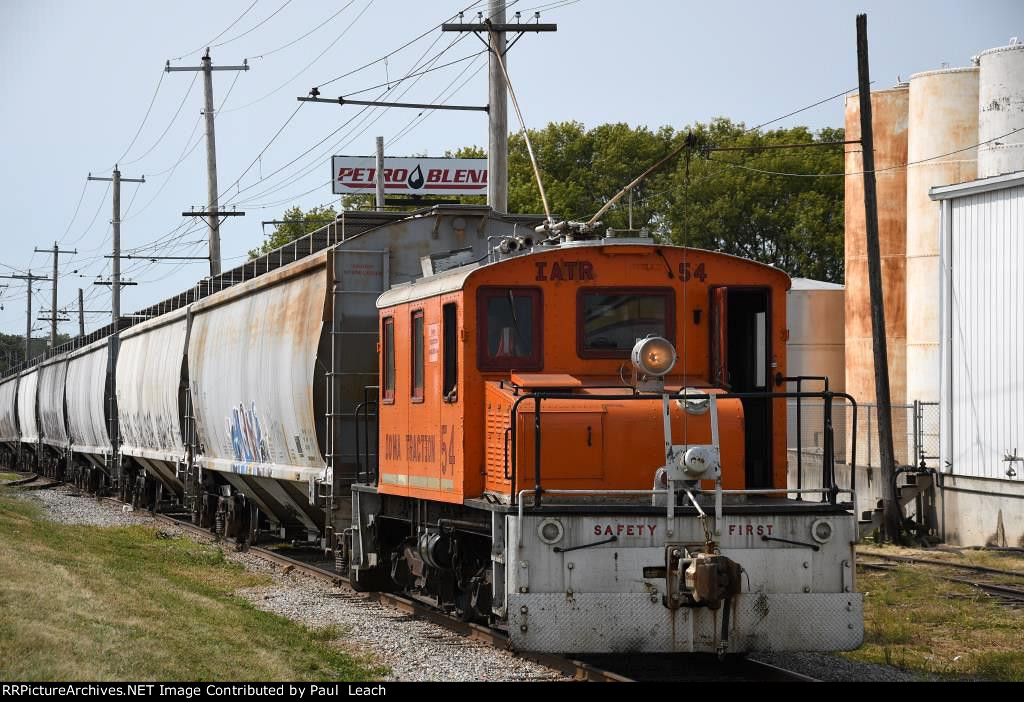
{"points": [[413, 650]]}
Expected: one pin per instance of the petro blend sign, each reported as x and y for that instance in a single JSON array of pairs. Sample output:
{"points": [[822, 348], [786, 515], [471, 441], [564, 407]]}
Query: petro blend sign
{"points": [[410, 176]]}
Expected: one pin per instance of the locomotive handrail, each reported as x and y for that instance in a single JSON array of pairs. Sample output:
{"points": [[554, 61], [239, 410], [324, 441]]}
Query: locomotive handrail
{"points": [[829, 489], [799, 379], [364, 408]]}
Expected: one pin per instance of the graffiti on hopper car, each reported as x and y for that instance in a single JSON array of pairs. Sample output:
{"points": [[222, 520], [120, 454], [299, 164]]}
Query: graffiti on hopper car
{"points": [[246, 435]]}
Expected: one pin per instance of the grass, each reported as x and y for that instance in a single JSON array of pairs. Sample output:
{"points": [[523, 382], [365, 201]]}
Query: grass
{"points": [[932, 626], [112, 604], [4, 477]]}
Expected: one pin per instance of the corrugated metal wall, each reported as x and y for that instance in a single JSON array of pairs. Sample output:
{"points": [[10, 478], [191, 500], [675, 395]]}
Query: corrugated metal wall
{"points": [[987, 332]]}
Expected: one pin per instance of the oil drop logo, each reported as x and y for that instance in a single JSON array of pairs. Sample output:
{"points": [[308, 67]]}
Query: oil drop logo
{"points": [[416, 178]]}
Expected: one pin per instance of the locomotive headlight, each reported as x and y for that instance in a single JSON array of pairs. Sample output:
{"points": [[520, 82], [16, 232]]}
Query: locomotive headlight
{"points": [[550, 531], [821, 531], [653, 356]]}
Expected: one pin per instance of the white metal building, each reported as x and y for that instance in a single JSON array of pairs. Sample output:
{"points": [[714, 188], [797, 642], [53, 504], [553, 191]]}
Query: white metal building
{"points": [[982, 359]]}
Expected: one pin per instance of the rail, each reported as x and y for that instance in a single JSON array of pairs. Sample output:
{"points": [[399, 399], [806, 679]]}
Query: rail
{"points": [[828, 478]]}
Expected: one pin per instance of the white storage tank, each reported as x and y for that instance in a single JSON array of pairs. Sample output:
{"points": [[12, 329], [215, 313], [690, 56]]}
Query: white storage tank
{"points": [[1001, 110], [943, 118]]}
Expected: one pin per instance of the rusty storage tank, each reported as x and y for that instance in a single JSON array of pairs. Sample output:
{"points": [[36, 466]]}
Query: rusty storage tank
{"points": [[943, 119], [814, 314], [890, 110], [1001, 110]]}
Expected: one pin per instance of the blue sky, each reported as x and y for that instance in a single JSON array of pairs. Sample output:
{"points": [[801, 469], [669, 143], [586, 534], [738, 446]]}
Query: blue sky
{"points": [[79, 76]]}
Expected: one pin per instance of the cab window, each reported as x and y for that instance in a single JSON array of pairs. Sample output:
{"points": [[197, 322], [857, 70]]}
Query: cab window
{"points": [[388, 365], [509, 328], [610, 320], [416, 394]]}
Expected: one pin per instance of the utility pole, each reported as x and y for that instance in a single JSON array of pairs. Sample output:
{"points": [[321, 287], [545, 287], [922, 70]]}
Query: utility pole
{"points": [[497, 92], [879, 346], [213, 219], [29, 279], [495, 28], [497, 99], [115, 266], [81, 313], [56, 251], [380, 173]]}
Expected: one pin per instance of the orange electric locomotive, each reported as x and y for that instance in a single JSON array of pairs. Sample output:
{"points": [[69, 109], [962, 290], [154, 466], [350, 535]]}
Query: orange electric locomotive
{"points": [[583, 441]]}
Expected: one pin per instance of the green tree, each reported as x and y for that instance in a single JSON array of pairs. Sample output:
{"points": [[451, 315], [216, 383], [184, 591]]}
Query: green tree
{"points": [[736, 202], [731, 201], [296, 224]]}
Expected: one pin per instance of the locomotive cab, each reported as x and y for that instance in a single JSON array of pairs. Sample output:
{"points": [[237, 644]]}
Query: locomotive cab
{"points": [[536, 472]]}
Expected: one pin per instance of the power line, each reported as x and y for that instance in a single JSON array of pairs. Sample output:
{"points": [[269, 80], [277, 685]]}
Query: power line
{"points": [[318, 57], [422, 116], [877, 170], [254, 27], [95, 215], [307, 170], [169, 124], [388, 84], [300, 38], [225, 31], [81, 197], [403, 46], [143, 123]]}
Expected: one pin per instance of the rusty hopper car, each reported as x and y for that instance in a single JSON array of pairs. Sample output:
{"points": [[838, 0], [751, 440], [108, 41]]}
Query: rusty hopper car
{"points": [[278, 363], [585, 444], [53, 438], [89, 402], [151, 391], [28, 419], [9, 435]]}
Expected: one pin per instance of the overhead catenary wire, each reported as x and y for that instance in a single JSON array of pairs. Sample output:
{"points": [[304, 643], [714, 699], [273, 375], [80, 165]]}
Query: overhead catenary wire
{"points": [[364, 113], [423, 115], [395, 51]]}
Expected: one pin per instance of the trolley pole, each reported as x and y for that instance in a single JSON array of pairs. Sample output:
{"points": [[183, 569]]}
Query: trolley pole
{"points": [[882, 393]]}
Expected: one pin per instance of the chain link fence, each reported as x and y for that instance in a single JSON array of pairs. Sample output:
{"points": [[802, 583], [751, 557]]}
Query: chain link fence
{"points": [[915, 430]]}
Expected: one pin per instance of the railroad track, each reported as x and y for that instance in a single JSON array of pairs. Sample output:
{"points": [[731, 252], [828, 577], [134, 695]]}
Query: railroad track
{"points": [[646, 667], [29, 483], [1006, 594]]}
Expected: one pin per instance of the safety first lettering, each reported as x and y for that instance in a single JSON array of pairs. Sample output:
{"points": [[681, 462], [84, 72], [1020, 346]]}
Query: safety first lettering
{"points": [[750, 529], [624, 529]]}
